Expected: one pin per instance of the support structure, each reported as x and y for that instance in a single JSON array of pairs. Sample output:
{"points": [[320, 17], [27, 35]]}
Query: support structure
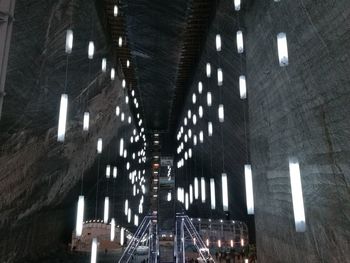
{"points": [[7, 8]]}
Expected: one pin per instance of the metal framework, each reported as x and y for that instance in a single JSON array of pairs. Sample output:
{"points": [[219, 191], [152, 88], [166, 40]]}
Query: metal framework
{"points": [[7, 8]]}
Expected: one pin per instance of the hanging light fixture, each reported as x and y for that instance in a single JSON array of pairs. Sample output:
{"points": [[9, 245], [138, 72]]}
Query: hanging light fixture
{"points": [[224, 191], [282, 49], [201, 137], [126, 207], [203, 189], [136, 220], [115, 172], [127, 63], [221, 113], [239, 42], [104, 65], [122, 230], [94, 250], [129, 215], [120, 41], [189, 114], [186, 201], [123, 83], [218, 42], [194, 98], [117, 111], [194, 140], [106, 210], [210, 129], [242, 87], [297, 195], [69, 41], [91, 50], [212, 194], [237, 5], [200, 87], [191, 194], [200, 111], [249, 188], [112, 229], [208, 70], [112, 73], [108, 171], [86, 121], [62, 119], [220, 76], [209, 99], [115, 11], [99, 145], [194, 119], [196, 192], [80, 216]]}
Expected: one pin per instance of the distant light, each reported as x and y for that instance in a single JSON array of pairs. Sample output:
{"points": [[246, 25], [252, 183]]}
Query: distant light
{"points": [[112, 73], [190, 153], [194, 140], [221, 113], [209, 99], [127, 63], [169, 197], [224, 191], [191, 194], [112, 229], [69, 41], [117, 111], [210, 129], [104, 65], [220, 77], [207, 242], [99, 145], [127, 99], [282, 49], [231, 243], [62, 119], [208, 70], [200, 87], [126, 207], [108, 171], [186, 201], [239, 42], [86, 121], [189, 114], [115, 11], [129, 215], [194, 98], [201, 137], [94, 250], [218, 42], [120, 41], [122, 234], [212, 194], [80, 216], [297, 195], [185, 121], [194, 119], [123, 83], [237, 5], [196, 192], [115, 172], [122, 116], [91, 50], [200, 111], [106, 210], [249, 188], [242, 87], [203, 196], [136, 220], [219, 243]]}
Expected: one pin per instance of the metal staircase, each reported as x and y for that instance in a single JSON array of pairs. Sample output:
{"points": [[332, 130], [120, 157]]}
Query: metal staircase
{"points": [[185, 226], [144, 229]]}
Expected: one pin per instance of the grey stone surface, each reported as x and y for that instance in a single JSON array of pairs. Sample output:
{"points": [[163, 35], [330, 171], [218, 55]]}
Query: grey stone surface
{"points": [[303, 111]]}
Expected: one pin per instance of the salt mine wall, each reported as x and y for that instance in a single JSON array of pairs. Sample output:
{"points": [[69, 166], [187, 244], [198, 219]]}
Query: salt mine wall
{"points": [[301, 111]]}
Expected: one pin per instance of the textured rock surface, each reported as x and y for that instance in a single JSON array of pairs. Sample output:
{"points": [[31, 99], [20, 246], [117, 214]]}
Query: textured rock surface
{"points": [[301, 110]]}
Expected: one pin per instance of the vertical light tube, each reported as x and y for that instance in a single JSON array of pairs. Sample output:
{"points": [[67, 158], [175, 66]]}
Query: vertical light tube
{"points": [[108, 171], [239, 42], [62, 119], [242, 87], [237, 5], [220, 76], [297, 195], [210, 129], [196, 193], [218, 42], [191, 194], [121, 147], [200, 87], [69, 41], [112, 73], [117, 110], [104, 65], [126, 207], [212, 194], [112, 229], [91, 50], [136, 220], [209, 99], [208, 70], [203, 189], [94, 250], [201, 137], [86, 121], [122, 230], [200, 111], [249, 188], [115, 172], [129, 215], [99, 145], [186, 201], [80, 216], [282, 49], [224, 191], [106, 210], [221, 113], [115, 11]]}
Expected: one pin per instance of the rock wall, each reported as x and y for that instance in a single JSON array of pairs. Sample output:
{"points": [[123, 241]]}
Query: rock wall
{"points": [[301, 110]]}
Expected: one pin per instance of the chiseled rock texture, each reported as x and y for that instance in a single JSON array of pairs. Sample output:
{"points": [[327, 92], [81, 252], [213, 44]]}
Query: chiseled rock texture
{"points": [[303, 111], [38, 174]]}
